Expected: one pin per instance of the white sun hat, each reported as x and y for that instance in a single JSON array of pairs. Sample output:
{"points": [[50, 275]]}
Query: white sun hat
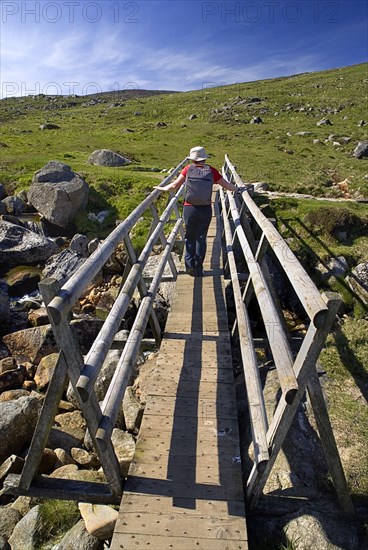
{"points": [[197, 153]]}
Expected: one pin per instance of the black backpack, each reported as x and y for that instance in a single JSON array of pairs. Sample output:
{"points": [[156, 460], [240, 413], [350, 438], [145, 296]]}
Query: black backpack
{"points": [[198, 185]]}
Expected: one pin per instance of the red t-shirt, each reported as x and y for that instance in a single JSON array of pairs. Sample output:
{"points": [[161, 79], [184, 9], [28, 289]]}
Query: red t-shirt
{"points": [[216, 177]]}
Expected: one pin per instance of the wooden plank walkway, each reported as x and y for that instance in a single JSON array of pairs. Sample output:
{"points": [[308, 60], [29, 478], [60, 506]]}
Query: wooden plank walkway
{"points": [[184, 489]]}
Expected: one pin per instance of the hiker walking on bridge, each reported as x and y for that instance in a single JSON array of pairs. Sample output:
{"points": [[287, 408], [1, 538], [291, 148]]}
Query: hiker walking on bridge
{"points": [[199, 178]]}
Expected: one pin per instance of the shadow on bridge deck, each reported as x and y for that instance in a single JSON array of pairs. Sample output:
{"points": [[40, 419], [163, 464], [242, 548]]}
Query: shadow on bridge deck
{"points": [[185, 487]]}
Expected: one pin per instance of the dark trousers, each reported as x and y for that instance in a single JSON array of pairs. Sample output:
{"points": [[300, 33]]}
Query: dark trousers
{"points": [[197, 221]]}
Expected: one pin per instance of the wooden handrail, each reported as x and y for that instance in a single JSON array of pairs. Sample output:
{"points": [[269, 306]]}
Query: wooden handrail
{"points": [[257, 409], [306, 290], [115, 393], [277, 338]]}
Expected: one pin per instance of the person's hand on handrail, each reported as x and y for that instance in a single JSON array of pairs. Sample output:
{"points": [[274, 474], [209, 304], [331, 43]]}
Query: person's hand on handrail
{"points": [[174, 185]]}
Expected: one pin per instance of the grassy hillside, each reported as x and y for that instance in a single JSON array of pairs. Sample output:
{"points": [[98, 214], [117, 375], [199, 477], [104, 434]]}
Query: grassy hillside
{"points": [[262, 152]]}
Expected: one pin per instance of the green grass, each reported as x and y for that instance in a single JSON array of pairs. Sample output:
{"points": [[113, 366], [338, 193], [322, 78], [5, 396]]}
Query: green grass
{"points": [[345, 361], [58, 516], [257, 150], [309, 227]]}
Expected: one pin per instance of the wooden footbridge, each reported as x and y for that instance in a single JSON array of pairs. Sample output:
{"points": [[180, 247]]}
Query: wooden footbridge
{"points": [[186, 488]]}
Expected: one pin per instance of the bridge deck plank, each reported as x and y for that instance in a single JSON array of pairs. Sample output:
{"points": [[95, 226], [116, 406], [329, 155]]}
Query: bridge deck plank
{"points": [[184, 488]]}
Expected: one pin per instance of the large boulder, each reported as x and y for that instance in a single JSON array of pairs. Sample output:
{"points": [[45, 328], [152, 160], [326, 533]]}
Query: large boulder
{"points": [[58, 193], [31, 344], [20, 246], [361, 150], [105, 157], [17, 423]]}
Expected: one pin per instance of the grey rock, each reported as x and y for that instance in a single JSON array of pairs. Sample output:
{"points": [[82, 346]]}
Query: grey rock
{"points": [[192, 117], [104, 377], [78, 538], [31, 344], [24, 504], [256, 120], [49, 126], [79, 243], [106, 157], [310, 529], [361, 150], [84, 458], [15, 205], [260, 187], [8, 520], [303, 134], [17, 417], [324, 122], [58, 439], [335, 267], [61, 266], [58, 193], [3, 209], [12, 465], [133, 410], [2, 192], [26, 533], [72, 423], [100, 217], [20, 246], [124, 446], [86, 331], [45, 370], [361, 123], [358, 281]]}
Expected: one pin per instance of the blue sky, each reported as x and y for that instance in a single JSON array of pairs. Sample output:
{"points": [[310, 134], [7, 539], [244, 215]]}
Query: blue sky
{"points": [[71, 46]]}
